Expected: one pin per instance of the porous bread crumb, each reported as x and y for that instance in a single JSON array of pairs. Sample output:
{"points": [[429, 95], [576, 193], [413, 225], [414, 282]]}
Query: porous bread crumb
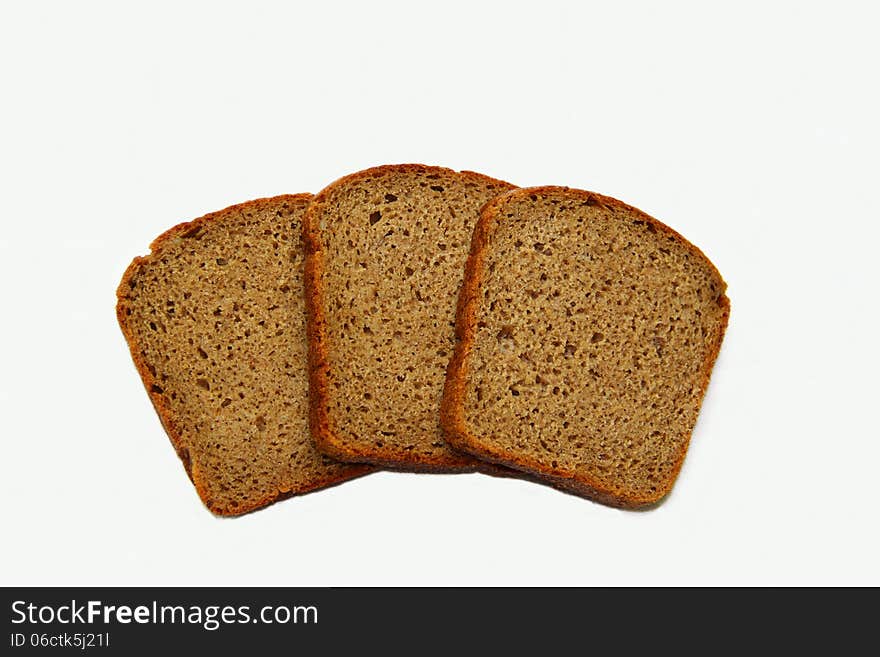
{"points": [[215, 321], [386, 250], [588, 331]]}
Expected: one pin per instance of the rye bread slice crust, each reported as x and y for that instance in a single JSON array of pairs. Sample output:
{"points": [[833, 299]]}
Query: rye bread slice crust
{"points": [[385, 250], [215, 323], [587, 331]]}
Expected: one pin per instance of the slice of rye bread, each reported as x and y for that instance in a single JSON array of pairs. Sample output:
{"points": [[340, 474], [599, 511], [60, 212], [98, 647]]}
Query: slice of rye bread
{"points": [[215, 321], [385, 251], [587, 333]]}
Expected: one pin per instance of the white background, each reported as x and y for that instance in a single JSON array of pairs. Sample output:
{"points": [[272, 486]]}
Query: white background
{"points": [[753, 130]]}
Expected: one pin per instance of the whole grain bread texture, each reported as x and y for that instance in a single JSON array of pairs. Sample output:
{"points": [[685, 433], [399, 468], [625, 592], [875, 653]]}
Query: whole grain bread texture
{"points": [[385, 251], [587, 332], [215, 321]]}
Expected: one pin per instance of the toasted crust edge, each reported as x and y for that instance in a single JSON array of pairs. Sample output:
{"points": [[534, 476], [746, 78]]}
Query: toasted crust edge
{"points": [[326, 436], [165, 413], [452, 405]]}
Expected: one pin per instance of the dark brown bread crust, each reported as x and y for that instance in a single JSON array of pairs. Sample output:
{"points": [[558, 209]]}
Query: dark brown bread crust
{"points": [[326, 436], [166, 415], [452, 407]]}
